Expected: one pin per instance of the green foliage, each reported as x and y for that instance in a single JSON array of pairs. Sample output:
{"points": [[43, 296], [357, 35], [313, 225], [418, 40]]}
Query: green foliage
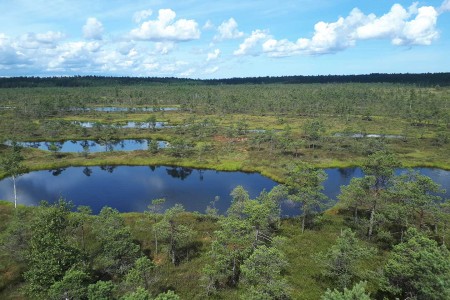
{"points": [[305, 185], [418, 268], [74, 285], [358, 292], [262, 274], [49, 255], [169, 295], [173, 234], [141, 275], [232, 245], [101, 290], [381, 165], [341, 260], [139, 294], [11, 163], [356, 194], [180, 147], [418, 196], [250, 223], [117, 252], [314, 130], [15, 239], [153, 146]]}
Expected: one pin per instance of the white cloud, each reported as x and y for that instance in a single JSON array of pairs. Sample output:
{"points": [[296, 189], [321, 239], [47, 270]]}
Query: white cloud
{"points": [[208, 25], [211, 70], [188, 72], [9, 55], [165, 28], [213, 55], [49, 37], [228, 30], [74, 55], [387, 25], [421, 30], [247, 47], [93, 29], [33, 41], [142, 15], [173, 67], [164, 47], [415, 26], [445, 6], [125, 47]]}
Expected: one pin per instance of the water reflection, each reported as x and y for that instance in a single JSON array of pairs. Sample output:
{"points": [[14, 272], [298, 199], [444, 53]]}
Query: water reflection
{"points": [[57, 172], [126, 109], [179, 172], [92, 146], [87, 171], [132, 188], [362, 135], [108, 169], [156, 125]]}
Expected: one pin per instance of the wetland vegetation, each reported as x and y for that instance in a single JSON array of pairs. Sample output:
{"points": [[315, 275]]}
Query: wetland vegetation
{"points": [[237, 245]]}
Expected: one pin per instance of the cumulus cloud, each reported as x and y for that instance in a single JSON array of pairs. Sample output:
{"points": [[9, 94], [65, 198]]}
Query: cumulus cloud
{"points": [[412, 26], [188, 72], [211, 70], [49, 37], [209, 25], [420, 30], [228, 30], [93, 29], [164, 47], [36, 40], [142, 15], [125, 47], [213, 55], [73, 55], [445, 6], [165, 28], [9, 55], [173, 67], [249, 44]]}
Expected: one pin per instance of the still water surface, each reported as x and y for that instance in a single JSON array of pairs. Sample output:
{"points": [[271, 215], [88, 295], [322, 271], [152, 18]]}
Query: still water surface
{"points": [[93, 146], [124, 109], [128, 188], [125, 125]]}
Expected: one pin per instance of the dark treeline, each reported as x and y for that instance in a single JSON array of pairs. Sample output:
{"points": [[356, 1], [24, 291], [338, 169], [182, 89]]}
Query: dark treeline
{"points": [[423, 79]]}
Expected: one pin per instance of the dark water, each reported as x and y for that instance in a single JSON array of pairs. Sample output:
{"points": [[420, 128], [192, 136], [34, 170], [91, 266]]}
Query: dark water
{"points": [[126, 125], [93, 146], [132, 188], [362, 135], [124, 109]]}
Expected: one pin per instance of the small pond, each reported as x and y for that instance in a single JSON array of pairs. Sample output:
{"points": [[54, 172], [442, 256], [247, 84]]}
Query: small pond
{"points": [[125, 125], [362, 135], [93, 146], [132, 188], [128, 109]]}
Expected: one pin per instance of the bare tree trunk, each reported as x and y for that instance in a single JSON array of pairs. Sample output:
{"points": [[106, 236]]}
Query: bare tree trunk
{"points": [[255, 244], [303, 224], [234, 272], [156, 243], [15, 191], [371, 222]]}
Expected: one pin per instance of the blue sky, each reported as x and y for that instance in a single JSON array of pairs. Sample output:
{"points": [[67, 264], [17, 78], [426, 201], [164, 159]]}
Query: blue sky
{"points": [[219, 39]]}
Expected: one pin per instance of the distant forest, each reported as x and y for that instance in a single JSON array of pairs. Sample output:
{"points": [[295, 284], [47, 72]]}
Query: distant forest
{"points": [[423, 79]]}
